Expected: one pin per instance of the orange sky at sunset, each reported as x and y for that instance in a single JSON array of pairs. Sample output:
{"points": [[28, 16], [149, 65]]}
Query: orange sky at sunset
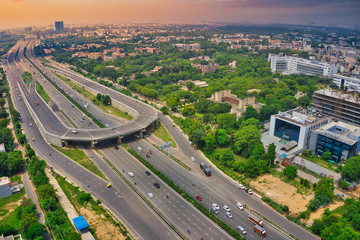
{"points": [[24, 13]]}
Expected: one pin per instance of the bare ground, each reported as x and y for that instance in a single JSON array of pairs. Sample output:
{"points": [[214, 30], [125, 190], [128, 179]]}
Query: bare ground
{"points": [[320, 211], [282, 193], [11, 207]]}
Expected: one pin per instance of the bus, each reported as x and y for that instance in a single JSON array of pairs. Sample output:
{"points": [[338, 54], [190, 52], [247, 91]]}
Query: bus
{"points": [[205, 169]]}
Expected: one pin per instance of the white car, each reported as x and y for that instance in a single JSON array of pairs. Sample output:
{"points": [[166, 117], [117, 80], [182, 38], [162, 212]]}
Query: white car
{"points": [[214, 205], [139, 148], [193, 159], [241, 229], [90, 156], [228, 214], [150, 195], [241, 187], [131, 174], [239, 205], [226, 208]]}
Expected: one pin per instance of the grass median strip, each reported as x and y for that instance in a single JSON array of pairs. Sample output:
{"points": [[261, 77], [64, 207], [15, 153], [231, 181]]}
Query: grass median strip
{"points": [[42, 93], [185, 195], [27, 78], [107, 108], [80, 157], [163, 134]]}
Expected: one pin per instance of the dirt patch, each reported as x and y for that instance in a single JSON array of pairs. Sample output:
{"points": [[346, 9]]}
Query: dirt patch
{"points": [[10, 207], [320, 211], [104, 229], [282, 193]]}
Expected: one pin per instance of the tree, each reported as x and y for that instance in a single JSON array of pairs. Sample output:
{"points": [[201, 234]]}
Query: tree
{"points": [[172, 102], [304, 101], [290, 171], [210, 142], [351, 171], [227, 157], [326, 156], [271, 154], [7, 229], [164, 110], [98, 97], [221, 136], [74, 236], [325, 187], [106, 100], [251, 113], [188, 111], [190, 85], [27, 220], [258, 151], [245, 139], [35, 230], [197, 137], [202, 105], [226, 121]]}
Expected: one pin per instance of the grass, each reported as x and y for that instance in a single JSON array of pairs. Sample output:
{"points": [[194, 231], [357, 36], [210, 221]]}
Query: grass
{"points": [[72, 194], [16, 178], [44, 60], [42, 93], [12, 220], [239, 158], [27, 78], [326, 164], [80, 157], [107, 108], [11, 199], [161, 132]]}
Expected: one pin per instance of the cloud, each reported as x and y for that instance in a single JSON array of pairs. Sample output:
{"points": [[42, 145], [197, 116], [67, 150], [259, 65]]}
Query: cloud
{"points": [[291, 4]]}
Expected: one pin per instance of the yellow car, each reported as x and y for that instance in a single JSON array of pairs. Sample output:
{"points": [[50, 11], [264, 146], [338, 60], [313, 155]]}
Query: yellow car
{"points": [[33, 139], [109, 185]]}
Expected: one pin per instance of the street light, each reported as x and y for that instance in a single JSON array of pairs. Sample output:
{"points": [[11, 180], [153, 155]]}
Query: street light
{"points": [[210, 191]]}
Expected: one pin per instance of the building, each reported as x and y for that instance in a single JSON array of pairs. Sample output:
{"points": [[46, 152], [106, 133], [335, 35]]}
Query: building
{"points": [[11, 237], [351, 83], [211, 67], [2, 147], [238, 105], [295, 65], [297, 125], [339, 105], [339, 138], [81, 224], [5, 185], [184, 46], [59, 26]]}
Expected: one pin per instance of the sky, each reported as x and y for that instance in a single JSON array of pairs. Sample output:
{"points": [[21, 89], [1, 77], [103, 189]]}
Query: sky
{"points": [[26, 13]]}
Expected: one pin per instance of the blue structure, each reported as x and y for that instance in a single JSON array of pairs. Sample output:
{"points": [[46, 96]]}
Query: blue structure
{"points": [[80, 223]]}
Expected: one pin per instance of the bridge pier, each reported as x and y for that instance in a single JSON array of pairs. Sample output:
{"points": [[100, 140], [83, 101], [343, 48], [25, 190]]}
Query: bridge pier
{"points": [[93, 143], [64, 143], [120, 139]]}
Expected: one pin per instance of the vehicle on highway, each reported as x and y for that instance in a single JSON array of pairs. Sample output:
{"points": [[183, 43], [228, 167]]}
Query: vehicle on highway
{"points": [[109, 185], [33, 139], [260, 230], [150, 194], [157, 185], [90, 156], [148, 173], [250, 191], [139, 148], [193, 159], [241, 186], [205, 169], [198, 198], [130, 174], [148, 151], [228, 214], [214, 205], [74, 131], [30, 124], [255, 220], [241, 229], [214, 210], [239, 205], [226, 208]]}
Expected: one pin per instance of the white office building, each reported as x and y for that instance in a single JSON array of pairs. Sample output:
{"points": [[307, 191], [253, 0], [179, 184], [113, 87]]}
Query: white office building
{"points": [[348, 82], [295, 65]]}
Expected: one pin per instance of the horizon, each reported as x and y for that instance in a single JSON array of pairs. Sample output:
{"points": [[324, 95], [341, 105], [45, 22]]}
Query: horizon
{"points": [[41, 13]]}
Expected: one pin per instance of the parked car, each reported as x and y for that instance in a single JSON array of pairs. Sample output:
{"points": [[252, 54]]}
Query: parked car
{"points": [[226, 208], [214, 205], [148, 173], [228, 214], [193, 159], [130, 174], [198, 198], [241, 229], [150, 194], [241, 186], [239, 205], [139, 148], [157, 185]]}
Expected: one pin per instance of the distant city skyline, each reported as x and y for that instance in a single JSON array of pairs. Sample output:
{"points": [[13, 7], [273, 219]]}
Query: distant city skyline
{"points": [[25, 13]]}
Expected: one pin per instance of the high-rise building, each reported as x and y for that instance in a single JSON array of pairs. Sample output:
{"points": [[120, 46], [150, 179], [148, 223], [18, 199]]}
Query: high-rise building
{"points": [[59, 26], [295, 65], [339, 105]]}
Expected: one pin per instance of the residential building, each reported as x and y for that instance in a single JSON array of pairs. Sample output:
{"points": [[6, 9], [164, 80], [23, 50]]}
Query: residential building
{"points": [[59, 26], [184, 46], [11, 237], [339, 138], [297, 125], [5, 185], [211, 67], [351, 83], [295, 65], [339, 105]]}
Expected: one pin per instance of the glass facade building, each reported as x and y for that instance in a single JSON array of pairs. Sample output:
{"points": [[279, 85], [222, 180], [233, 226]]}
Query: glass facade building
{"points": [[286, 130]]}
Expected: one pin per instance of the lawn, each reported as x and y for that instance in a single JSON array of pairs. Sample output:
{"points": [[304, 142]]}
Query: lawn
{"points": [[163, 134], [11, 199], [107, 108], [239, 158], [80, 157], [326, 164], [42, 93]]}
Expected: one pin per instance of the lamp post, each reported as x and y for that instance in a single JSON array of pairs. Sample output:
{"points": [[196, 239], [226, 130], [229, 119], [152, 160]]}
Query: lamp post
{"points": [[210, 191]]}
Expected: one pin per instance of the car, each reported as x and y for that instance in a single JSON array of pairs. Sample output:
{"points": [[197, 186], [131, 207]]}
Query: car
{"points": [[214, 205], [241, 229], [239, 205], [214, 210], [226, 208], [148, 173], [109, 185], [116, 147], [157, 185], [228, 214], [250, 192], [33, 139], [150, 194], [241, 186], [90, 156], [30, 124], [130, 174], [139, 148], [193, 159], [198, 198]]}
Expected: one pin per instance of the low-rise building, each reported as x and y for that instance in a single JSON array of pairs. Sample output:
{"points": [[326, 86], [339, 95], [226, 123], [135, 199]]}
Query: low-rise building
{"points": [[351, 83], [5, 185], [339, 138], [297, 125]]}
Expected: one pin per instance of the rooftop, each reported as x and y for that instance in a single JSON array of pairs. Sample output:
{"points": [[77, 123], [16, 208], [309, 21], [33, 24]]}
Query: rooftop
{"points": [[340, 131], [339, 94], [80, 223], [4, 180], [302, 116]]}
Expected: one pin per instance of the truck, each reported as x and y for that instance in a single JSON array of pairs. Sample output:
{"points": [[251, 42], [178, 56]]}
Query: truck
{"points": [[205, 169], [260, 230], [36, 103], [255, 220]]}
